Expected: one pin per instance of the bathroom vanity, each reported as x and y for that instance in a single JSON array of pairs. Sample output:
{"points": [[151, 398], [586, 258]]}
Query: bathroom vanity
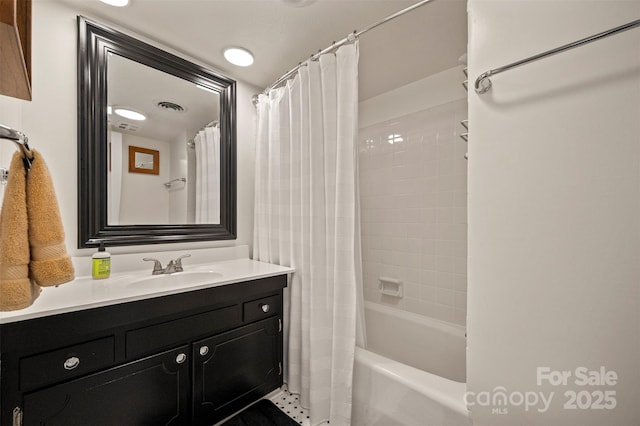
{"points": [[190, 354]]}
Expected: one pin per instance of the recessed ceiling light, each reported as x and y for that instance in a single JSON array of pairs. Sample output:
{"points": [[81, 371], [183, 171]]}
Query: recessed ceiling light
{"points": [[118, 3], [238, 56], [130, 114]]}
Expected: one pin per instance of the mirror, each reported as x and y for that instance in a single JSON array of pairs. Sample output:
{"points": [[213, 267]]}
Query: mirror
{"points": [[156, 144]]}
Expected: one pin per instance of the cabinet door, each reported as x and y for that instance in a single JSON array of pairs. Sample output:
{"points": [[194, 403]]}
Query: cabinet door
{"points": [[151, 391], [235, 368]]}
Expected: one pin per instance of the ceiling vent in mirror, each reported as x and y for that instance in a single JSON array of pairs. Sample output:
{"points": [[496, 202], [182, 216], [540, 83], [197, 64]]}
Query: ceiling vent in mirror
{"points": [[170, 106], [127, 126]]}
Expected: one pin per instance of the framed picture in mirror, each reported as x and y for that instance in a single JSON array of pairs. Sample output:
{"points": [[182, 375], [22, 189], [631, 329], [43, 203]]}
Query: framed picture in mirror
{"points": [[144, 160]]}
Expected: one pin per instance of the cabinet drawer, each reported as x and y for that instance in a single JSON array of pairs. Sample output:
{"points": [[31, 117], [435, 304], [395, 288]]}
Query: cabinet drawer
{"points": [[167, 334], [65, 363], [261, 308], [151, 391]]}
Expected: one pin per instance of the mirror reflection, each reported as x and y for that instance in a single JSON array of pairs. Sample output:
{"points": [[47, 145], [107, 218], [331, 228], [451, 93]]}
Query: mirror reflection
{"points": [[143, 161], [164, 147], [134, 97]]}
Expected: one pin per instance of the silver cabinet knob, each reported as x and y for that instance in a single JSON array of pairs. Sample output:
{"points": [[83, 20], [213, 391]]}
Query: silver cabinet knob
{"points": [[71, 363], [181, 358], [204, 350], [265, 308]]}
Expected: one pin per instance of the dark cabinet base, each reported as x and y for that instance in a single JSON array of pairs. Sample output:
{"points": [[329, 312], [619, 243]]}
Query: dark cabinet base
{"points": [[186, 359], [152, 391], [235, 368]]}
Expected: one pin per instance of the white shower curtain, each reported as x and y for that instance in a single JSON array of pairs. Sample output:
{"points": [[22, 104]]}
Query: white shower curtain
{"points": [[307, 217], [207, 143]]}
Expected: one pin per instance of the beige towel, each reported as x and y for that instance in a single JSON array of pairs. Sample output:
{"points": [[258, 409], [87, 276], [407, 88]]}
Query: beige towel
{"points": [[16, 289], [50, 264]]}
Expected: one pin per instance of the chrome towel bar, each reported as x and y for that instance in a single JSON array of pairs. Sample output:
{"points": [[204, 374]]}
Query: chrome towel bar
{"points": [[483, 83], [19, 139], [172, 182], [13, 135]]}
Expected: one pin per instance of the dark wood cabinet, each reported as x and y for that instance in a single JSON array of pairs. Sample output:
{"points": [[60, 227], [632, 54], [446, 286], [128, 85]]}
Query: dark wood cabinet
{"points": [[188, 358], [150, 391], [234, 367], [15, 51]]}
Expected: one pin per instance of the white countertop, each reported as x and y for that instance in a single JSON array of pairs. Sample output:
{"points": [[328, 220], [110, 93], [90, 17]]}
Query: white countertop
{"points": [[86, 293]]}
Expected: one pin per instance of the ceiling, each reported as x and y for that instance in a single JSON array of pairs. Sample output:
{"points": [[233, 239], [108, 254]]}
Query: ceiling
{"points": [[282, 33], [135, 86]]}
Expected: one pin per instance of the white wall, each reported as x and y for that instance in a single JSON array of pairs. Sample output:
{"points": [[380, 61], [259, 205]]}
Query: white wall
{"points": [[9, 114], [413, 192], [429, 92], [114, 177], [144, 199], [50, 122], [554, 209], [178, 191]]}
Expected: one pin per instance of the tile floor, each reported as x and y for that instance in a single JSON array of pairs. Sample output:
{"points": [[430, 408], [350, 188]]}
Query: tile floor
{"points": [[289, 404]]}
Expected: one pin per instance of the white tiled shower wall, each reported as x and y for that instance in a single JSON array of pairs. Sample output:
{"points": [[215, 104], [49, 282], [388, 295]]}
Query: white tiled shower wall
{"points": [[413, 192]]}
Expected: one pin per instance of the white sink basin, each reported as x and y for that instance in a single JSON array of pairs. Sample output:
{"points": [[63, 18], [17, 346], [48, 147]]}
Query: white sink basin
{"points": [[176, 280]]}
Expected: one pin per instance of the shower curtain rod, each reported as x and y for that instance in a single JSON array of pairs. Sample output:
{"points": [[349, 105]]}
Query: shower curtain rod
{"points": [[191, 142], [348, 39]]}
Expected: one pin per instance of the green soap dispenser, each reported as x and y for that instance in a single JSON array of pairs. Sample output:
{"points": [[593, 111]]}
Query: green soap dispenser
{"points": [[101, 263]]}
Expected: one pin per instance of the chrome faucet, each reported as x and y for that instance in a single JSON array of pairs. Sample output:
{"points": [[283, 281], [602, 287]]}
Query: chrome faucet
{"points": [[157, 266], [175, 265], [172, 266]]}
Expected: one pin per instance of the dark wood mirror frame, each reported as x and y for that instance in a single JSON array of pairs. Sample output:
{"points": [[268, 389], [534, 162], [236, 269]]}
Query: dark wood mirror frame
{"points": [[95, 42]]}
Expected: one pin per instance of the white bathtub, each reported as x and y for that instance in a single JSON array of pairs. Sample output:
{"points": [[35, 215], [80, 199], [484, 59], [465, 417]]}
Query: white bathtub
{"points": [[423, 385]]}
